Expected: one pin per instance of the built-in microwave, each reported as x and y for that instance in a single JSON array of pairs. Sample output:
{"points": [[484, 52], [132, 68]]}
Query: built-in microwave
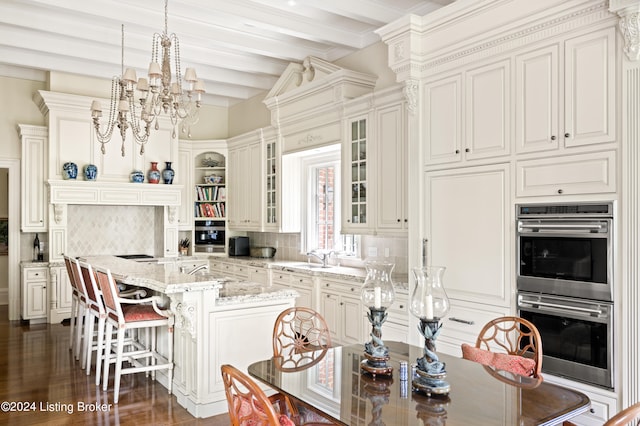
{"points": [[566, 250], [209, 236]]}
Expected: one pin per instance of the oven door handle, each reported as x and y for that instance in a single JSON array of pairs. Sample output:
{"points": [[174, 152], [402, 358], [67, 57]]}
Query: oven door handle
{"points": [[530, 304], [563, 226]]}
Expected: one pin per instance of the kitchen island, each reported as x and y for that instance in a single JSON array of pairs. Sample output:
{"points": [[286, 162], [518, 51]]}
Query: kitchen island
{"points": [[217, 321]]}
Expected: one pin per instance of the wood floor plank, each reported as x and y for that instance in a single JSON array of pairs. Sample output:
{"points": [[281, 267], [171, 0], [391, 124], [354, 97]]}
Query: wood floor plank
{"points": [[44, 385]]}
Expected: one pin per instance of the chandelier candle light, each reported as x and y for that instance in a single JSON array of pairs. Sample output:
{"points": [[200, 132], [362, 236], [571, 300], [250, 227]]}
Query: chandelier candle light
{"points": [[157, 95], [429, 303], [378, 294]]}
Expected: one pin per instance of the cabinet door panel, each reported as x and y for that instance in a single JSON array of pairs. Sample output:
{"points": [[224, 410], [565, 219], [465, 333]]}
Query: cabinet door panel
{"points": [[330, 310], [390, 156], [537, 100], [488, 99], [443, 119], [352, 320], [590, 88], [468, 224]]}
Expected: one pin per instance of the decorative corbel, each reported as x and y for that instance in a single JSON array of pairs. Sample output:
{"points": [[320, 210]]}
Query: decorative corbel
{"points": [[629, 25], [411, 95], [58, 213], [185, 316]]}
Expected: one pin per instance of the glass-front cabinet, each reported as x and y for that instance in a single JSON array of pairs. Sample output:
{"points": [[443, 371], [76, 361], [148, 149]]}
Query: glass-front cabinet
{"points": [[356, 176], [210, 215], [271, 190]]}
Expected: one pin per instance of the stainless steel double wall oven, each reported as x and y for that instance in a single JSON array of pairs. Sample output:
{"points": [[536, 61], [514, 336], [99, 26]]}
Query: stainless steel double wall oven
{"points": [[565, 286]]}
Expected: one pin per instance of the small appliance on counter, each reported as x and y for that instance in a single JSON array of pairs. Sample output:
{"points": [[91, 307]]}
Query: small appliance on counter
{"points": [[239, 246]]}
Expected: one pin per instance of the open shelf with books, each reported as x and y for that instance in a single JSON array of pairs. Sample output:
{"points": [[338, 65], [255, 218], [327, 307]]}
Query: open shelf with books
{"points": [[210, 214]]}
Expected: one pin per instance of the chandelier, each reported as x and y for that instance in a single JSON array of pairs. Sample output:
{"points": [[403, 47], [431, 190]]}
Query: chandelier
{"points": [[157, 95]]}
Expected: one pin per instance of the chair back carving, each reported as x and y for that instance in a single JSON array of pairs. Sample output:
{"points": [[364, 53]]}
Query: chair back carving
{"points": [[625, 416], [248, 404], [513, 335], [298, 330]]}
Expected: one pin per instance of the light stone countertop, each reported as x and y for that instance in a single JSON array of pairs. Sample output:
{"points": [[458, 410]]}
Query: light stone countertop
{"points": [[154, 276], [400, 281]]}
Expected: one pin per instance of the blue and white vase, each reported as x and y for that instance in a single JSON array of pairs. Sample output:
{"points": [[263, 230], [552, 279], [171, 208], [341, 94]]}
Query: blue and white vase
{"points": [[69, 171], [137, 176], [168, 173], [154, 174], [90, 172]]}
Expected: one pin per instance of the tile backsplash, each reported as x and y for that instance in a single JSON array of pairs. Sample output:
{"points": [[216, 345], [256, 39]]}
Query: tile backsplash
{"points": [[288, 247], [111, 230]]}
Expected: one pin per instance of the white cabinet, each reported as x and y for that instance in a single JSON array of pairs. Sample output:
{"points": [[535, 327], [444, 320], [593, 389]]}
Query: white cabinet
{"points": [[585, 112], [34, 301], [470, 121], [302, 283], [593, 173], [33, 177], [391, 171], [397, 326], [272, 194], [260, 275], [184, 177], [589, 92], [340, 306], [60, 294], [443, 119], [468, 222], [244, 197], [355, 161], [487, 111]]}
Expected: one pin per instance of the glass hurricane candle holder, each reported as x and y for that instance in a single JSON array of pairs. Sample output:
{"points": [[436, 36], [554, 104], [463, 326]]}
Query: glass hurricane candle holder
{"points": [[377, 294], [429, 303]]}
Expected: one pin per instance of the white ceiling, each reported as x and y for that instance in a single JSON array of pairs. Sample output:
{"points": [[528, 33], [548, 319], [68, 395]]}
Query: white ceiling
{"points": [[238, 47]]}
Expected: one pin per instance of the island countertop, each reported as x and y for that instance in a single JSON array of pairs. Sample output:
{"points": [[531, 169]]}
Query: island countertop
{"points": [[153, 276]]}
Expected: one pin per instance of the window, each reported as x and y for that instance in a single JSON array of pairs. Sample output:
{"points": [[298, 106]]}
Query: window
{"points": [[322, 203]]}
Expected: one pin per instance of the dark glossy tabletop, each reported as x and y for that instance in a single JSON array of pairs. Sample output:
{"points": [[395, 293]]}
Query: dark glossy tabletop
{"points": [[334, 385]]}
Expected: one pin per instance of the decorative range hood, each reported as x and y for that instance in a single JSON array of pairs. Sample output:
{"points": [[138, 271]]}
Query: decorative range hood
{"points": [[113, 193]]}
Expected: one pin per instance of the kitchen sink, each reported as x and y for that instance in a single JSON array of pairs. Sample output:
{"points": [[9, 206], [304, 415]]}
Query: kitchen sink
{"points": [[304, 265]]}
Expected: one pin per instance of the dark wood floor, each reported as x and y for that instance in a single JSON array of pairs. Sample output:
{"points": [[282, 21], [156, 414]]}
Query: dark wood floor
{"points": [[44, 385]]}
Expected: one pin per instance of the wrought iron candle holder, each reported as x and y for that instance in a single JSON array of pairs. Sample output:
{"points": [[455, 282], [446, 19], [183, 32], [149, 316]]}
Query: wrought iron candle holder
{"points": [[429, 303], [378, 294]]}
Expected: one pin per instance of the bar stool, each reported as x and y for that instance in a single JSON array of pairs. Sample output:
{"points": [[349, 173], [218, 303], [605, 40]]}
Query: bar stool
{"points": [[133, 314], [78, 305]]}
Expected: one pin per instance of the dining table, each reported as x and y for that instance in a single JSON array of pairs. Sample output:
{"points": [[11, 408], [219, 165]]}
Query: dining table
{"points": [[331, 382]]}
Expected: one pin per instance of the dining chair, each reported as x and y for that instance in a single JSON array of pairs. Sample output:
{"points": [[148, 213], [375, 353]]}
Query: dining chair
{"points": [[298, 330], [248, 404], [301, 338], [125, 314], [508, 343], [624, 417], [78, 306]]}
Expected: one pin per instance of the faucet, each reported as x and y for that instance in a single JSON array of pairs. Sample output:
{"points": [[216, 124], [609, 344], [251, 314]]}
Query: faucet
{"points": [[194, 270], [322, 255]]}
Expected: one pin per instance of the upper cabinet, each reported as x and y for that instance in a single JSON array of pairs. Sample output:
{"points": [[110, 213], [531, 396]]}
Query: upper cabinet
{"points": [[355, 156], [33, 178], [245, 184], [374, 158], [467, 115], [578, 110]]}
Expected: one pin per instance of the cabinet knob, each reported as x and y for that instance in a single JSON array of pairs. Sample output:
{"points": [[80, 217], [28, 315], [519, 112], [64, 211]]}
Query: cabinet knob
{"points": [[353, 289], [553, 138], [567, 135], [406, 220], [560, 191], [457, 151], [401, 306], [467, 150], [348, 220], [399, 220], [341, 303]]}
